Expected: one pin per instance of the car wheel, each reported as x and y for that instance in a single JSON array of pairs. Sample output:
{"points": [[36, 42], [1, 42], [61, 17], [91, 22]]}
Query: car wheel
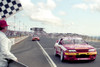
{"points": [[62, 56], [55, 53]]}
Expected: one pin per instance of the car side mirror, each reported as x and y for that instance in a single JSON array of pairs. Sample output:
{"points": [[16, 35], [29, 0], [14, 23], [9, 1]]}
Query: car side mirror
{"points": [[60, 43]]}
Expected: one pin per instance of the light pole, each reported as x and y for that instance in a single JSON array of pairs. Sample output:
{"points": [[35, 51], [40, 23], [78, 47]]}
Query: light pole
{"points": [[14, 23], [19, 25], [23, 27]]}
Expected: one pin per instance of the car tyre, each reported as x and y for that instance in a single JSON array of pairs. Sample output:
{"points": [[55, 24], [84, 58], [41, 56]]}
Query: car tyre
{"points": [[62, 56]]}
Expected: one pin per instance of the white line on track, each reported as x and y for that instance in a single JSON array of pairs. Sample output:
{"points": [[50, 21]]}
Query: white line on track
{"points": [[47, 56]]}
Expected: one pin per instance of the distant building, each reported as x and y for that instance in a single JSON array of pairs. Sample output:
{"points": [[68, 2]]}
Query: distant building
{"points": [[38, 31]]}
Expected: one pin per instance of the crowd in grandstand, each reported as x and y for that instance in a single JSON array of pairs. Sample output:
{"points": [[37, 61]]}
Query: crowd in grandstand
{"points": [[11, 33]]}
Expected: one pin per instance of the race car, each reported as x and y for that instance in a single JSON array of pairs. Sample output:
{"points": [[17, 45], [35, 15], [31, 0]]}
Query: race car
{"points": [[74, 48], [36, 39]]}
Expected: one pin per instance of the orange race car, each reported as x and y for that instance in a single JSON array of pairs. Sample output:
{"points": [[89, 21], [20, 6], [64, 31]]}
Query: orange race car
{"points": [[74, 48], [35, 39]]}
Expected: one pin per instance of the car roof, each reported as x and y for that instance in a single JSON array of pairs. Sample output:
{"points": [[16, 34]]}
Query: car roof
{"points": [[71, 38]]}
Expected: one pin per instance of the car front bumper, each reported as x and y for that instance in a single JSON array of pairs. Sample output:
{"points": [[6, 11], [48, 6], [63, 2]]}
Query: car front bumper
{"points": [[80, 56]]}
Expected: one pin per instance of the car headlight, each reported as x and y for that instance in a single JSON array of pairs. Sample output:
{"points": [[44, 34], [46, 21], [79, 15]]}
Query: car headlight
{"points": [[91, 50], [72, 50]]}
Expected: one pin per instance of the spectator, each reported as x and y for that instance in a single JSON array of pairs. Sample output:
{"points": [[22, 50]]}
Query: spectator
{"points": [[5, 45]]}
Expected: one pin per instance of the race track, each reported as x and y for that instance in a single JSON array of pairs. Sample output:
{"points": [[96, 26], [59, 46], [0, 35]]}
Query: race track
{"points": [[30, 53]]}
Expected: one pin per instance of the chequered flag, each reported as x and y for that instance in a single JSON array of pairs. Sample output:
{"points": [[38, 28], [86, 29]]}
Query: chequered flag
{"points": [[9, 7]]}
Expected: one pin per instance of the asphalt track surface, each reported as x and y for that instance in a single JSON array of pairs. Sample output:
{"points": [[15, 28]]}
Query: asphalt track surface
{"points": [[30, 53]]}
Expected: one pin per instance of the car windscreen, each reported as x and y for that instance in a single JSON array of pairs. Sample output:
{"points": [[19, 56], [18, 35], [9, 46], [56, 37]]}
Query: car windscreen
{"points": [[74, 41], [68, 42]]}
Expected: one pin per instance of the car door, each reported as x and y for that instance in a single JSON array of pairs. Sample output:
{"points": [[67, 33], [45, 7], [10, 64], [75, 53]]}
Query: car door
{"points": [[58, 46]]}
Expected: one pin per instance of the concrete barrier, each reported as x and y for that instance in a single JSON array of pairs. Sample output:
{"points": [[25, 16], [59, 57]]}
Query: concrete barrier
{"points": [[12, 40], [17, 39]]}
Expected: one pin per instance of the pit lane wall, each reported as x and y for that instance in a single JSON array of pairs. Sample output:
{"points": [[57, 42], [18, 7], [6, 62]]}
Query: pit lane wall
{"points": [[16, 40]]}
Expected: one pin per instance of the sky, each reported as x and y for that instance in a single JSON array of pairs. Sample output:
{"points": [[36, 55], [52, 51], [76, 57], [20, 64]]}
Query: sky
{"points": [[59, 16]]}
